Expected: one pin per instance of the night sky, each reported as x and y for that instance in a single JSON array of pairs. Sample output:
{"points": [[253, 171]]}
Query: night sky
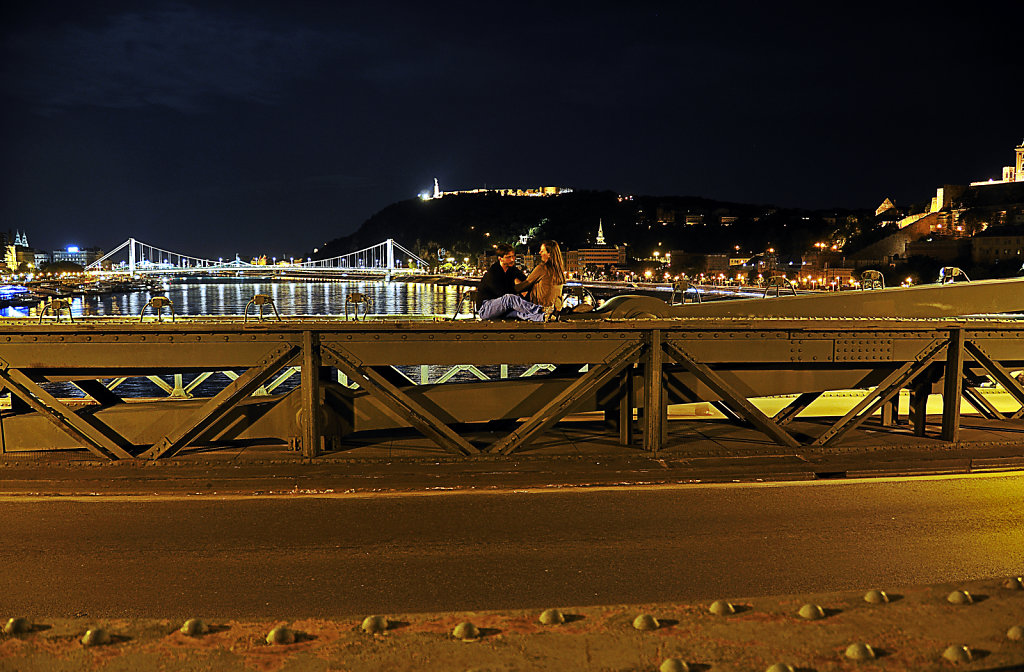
{"points": [[256, 127]]}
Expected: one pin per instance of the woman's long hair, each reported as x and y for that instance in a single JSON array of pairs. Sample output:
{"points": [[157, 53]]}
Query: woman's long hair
{"points": [[556, 264]]}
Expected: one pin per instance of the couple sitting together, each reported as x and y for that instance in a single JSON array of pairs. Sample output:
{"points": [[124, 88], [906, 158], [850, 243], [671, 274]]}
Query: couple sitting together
{"points": [[500, 292]]}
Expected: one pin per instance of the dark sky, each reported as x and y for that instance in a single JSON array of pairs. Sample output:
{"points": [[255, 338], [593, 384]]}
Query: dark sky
{"points": [[256, 127]]}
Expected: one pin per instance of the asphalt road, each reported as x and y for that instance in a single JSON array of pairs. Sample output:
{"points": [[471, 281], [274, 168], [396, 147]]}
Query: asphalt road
{"points": [[335, 556]]}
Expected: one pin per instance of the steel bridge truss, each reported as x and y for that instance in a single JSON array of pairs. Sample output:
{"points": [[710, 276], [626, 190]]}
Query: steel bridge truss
{"points": [[387, 255], [630, 370], [135, 256]]}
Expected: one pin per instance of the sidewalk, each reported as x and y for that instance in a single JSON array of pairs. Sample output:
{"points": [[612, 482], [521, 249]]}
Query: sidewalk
{"points": [[911, 632], [574, 456]]}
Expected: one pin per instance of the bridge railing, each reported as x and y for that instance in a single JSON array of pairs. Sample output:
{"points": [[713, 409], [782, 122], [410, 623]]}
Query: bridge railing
{"points": [[628, 372]]}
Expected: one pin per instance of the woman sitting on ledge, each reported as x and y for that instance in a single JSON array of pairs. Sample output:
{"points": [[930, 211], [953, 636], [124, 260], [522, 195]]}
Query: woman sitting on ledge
{"points": [[546, 279]]}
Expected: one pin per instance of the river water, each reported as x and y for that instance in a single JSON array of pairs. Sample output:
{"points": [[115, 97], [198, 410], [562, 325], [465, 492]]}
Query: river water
{"points": [[226, 297]]}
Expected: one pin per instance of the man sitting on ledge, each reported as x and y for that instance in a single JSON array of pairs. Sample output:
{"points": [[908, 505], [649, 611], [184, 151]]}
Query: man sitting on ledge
{"points": [[496, 294]]}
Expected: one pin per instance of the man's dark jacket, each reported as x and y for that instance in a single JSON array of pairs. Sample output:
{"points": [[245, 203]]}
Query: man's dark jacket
{"points": [[497, 282]]}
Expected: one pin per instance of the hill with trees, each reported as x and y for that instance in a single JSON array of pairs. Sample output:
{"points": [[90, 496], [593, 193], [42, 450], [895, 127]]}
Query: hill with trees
{"points": [[471, 224]]}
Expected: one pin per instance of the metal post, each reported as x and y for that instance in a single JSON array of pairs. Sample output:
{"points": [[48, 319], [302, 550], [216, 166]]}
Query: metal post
{"points": [[625, 409], [890, 411], [919, 404], [312, 431], [654, 391], [952, 385]]}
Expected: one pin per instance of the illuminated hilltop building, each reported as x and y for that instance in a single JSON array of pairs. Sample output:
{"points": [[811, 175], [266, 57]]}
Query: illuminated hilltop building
{"points": [[1014, 173], [503, 191]]}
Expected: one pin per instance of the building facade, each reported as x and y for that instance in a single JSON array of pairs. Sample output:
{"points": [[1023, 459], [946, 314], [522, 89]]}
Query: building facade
{"points": [[75, 255], [596, 259], [989, 249]]}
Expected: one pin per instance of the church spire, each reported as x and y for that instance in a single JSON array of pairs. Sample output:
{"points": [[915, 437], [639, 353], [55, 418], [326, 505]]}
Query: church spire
{"points": [[600, 233]]}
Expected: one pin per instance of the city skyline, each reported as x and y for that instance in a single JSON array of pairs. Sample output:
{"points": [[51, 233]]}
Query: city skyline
{"points": [[225, 127]]}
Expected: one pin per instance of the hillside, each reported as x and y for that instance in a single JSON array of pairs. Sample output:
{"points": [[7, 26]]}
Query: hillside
{"points": [[470, 224]]}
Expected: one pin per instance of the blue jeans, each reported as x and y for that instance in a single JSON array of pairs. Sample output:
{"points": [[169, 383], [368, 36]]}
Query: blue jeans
{"points": [[510, 305]]}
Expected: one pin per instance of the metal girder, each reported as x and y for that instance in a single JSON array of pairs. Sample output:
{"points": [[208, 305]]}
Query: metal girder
{"points": [[793, 408], [212, 410], [922, 301], [312, 427], [625, 409], [654, 393], [393, 401], [742, 359], [737, 402], [976, 399], [881, 394], [78, 427], [558, 407], [952, 385], [1001, 375], [100, 392]]}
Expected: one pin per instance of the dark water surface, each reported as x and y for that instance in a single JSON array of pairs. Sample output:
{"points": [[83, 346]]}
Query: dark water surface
{"points": [[226, 297], [229, 297]]}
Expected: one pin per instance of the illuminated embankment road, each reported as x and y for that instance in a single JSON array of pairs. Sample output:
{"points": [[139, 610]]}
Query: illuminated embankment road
{"points": [[325, 556]]}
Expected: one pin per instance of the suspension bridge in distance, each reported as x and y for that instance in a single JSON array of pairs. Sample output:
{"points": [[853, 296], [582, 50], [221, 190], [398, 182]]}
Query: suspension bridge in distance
{"points": [[138, 258]]}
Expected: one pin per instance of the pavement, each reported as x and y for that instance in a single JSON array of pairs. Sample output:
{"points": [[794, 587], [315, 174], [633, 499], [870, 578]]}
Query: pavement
{"points": [[910, 632], [917, 629]]}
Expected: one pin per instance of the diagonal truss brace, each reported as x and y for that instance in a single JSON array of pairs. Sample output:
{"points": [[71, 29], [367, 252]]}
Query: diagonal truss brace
{"points": [[793, 408], [1001, 375], [557, 408], [215, 408], [985, 407], [885, 391], [396, 403], [60, 415], [736, 401]]}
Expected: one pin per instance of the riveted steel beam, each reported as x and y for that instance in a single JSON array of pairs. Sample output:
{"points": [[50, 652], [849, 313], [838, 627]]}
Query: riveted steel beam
{"points": [[733, 399], [557, 408], [391, 400], [211, 411]]}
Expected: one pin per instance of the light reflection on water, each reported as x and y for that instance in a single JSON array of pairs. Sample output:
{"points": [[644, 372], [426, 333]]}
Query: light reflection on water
{"points": [[290, 298]]}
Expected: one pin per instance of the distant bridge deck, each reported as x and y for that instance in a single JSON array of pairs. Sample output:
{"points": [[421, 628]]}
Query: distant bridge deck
{"points": [[912, 380]]}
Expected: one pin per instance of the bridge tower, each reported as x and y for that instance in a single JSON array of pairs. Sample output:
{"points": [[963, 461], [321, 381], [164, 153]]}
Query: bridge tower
{"points": [[131, 256]]}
